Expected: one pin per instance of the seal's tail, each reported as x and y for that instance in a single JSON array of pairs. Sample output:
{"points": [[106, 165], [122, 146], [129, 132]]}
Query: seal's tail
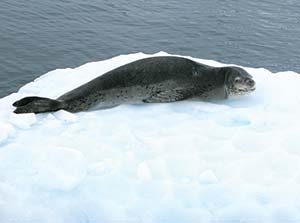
{"points": [[36, 105]]}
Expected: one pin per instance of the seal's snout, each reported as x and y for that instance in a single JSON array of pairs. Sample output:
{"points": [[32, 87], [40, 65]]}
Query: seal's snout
{"points": [[250, 82]]}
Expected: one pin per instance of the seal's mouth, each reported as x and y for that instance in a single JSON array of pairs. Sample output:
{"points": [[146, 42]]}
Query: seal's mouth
{"points": [[245, 89]]}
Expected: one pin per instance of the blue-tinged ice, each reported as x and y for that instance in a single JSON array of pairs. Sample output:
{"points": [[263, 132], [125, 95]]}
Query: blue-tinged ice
{"points": [[231, 161]]}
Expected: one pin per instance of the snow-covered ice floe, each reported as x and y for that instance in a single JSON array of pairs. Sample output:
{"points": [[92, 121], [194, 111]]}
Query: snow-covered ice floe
{"points": [[233, 161]]}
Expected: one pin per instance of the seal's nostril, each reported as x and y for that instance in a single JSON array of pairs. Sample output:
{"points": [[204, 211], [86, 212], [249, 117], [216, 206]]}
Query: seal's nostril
{"points": [[250, 82]]}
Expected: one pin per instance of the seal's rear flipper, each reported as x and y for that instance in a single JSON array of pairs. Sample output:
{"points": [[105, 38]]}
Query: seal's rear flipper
{"points": [[36, 105], [25, 101]]}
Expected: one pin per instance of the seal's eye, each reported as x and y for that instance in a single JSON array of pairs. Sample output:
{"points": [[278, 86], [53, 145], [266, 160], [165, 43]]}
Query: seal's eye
{"points": [[237, 80]]}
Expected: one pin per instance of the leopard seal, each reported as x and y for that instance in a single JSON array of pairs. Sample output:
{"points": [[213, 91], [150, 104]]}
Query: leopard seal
{"points": [[150, 80]]}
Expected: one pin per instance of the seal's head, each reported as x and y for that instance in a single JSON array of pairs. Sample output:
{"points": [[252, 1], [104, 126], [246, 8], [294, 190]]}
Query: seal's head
{"points": [[238, 82]]}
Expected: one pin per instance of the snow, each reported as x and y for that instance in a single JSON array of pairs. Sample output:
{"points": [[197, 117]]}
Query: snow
{"points": [[233, 161]]}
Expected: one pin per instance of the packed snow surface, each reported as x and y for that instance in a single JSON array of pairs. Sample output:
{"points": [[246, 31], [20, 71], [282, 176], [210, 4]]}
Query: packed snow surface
{"points": [[233, 161]]}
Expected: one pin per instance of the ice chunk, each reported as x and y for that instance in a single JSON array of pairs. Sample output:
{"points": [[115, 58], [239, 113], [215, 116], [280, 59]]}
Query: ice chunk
{"points": [[143, 171], [65, 116], [228, 161], [22, 121], [208, 177], [60, 168], [6, 130]]}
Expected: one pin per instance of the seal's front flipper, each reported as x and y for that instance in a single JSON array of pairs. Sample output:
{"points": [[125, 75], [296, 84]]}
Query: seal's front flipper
{"points": [[177, 94], [36, 105]]}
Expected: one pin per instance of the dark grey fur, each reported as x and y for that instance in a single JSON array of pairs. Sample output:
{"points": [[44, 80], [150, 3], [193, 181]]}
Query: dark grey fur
{"points": [[150, 80]]}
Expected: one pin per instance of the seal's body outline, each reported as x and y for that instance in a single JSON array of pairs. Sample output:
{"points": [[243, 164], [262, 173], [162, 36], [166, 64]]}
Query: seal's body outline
{"points": [[149, 80]]}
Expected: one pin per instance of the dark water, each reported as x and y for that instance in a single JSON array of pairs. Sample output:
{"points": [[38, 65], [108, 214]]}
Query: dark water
{"points": [[41, 35]]}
